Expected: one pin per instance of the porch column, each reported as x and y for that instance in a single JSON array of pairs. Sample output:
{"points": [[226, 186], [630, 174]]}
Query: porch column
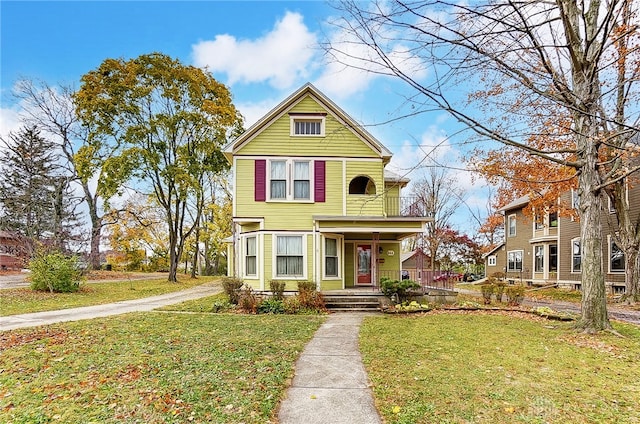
{"points": [[374, 259]]}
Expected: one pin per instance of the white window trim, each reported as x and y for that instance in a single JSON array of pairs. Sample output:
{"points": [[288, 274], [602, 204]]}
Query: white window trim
{"points": [[573, 240], [339, 241], [611, 208], [515, 227], [544, 253], [548, 218], [294, 118], [289, 180], [274, 257], [521, 261], [243, 256], [492, 260], [609, 251], [575, 199]]}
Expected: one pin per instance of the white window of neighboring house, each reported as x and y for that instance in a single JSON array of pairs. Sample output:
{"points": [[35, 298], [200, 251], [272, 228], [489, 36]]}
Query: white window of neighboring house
{"points": [[511, 225], [491, 261], [575, 199], [612, 207], [290, 180], [514, 260], [331, 257], [250, 256], [538, 222], [553, 258], [576, 255], [289, 257], [616, 257], [553, 220], [539, 258], [307, 126]]}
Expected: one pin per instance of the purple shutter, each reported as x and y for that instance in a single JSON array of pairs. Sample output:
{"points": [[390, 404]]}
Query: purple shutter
{"points": [[260, 181], [319, 183]]}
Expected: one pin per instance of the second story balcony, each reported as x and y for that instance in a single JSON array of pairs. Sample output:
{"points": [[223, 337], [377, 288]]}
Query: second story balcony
{"points": [[413, 206]]}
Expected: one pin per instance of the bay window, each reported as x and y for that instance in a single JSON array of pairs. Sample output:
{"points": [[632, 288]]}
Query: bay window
{"points": [[289, 258]]}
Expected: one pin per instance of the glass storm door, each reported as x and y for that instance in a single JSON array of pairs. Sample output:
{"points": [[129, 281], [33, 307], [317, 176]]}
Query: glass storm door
{"points": [[364, 264]]}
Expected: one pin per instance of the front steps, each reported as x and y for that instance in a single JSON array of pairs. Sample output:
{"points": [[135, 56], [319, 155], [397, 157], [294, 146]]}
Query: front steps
{"points": [[370, 302]]}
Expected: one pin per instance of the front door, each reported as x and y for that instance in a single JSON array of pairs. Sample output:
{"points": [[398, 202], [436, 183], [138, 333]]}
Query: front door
{"points": [[363, 262]]}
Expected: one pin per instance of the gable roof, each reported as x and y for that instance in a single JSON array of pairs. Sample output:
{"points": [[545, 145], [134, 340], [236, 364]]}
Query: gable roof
{"points": [[494, 250], [518, 203], [306, 90]]}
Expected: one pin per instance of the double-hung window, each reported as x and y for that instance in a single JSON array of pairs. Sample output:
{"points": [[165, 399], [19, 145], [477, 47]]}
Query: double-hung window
{"points": [[553, 220], [511, 226], [331, 258], [539, 258], [290, 180], [250, 256], [616, 258], [514, 260], [301, 180], [576, 255], [278, 179], [289, 256]]}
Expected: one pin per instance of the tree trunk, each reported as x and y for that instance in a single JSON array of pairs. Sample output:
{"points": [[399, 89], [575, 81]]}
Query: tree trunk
{"points": [[594, 315], [174, 257], [631, 270], [196, 258]]}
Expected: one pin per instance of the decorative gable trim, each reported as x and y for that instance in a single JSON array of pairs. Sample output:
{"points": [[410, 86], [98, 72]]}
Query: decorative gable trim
{"points": [[285, 106]]}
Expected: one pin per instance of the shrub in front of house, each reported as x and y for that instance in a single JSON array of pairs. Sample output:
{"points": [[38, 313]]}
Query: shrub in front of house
{"points": [[311, 300], [498, 289], [271, 306], [277, 289], [487, 292], [248, 301], [55, 272], [397, 288], [515, 294], [231, 286]]}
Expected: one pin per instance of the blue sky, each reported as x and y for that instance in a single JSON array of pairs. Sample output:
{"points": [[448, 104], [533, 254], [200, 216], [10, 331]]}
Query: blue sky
{"points": [[262, 50]]}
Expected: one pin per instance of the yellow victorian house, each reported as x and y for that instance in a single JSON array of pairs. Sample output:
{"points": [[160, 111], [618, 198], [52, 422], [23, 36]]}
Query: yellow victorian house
{"points": [[312, 200]]}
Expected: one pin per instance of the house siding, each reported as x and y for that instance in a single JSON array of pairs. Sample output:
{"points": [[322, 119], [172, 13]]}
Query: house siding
{"points": [[366, 204], [344, 151], [520, 242], [568, 229], [287, 215], [338, 141]]}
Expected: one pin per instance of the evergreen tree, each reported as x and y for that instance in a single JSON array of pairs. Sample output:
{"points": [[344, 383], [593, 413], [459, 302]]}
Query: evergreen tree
{"points": [[34, 193]]}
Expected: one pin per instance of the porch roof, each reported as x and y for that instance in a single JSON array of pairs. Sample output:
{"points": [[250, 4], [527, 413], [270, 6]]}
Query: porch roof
{"points": [[401, 226]]}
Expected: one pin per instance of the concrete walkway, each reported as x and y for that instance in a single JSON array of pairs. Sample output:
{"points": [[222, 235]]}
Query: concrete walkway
{"points": [[330, 383], [87, 312]]}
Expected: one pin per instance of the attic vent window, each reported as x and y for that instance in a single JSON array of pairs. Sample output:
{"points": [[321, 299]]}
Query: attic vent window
{"points": [[307, 125]]}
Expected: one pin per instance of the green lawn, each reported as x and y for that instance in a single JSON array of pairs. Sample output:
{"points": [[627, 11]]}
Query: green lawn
{"points": [[25, 300], [489, 368], [151, 368]]}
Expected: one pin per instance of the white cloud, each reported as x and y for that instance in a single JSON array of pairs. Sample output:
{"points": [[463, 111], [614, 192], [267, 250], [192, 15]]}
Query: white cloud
{"points": [[281, 57], [9, 121], [353, 65], [433, 149], [254, 111]]}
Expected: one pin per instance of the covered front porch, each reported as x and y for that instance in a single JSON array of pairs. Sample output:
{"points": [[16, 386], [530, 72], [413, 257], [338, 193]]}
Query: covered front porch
{"points": [[371, 250]]}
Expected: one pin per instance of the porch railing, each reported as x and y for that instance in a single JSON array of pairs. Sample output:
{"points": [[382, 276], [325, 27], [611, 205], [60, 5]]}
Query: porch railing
{"points": [[406, 206], [426, 278]]}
